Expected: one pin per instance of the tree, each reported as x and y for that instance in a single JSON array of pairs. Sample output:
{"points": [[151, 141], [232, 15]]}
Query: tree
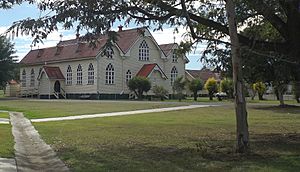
{"points": [[296, 89], [211, 86], [178, 86], [139, 85], [206, 20], [7, 61], [160, 92], [260, 88], [226, 86], [195, 86]]}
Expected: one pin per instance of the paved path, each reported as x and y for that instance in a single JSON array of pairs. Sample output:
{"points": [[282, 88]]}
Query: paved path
{"points": [[4, 121], [7, 165], [32, 153], [121, 113]]}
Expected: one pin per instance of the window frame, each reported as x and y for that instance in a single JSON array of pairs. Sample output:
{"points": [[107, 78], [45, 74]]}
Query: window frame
{"points": [[91, 74], [32, 78], [23, 79], [110, 74], [79, 75], [174, 74], [69, 78], [144, 52]]}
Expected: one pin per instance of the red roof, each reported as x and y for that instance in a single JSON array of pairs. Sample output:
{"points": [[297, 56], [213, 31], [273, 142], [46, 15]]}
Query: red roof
{"points": [[74, 49], [148, 68], [167, 48], [203, 74], [12, 82], [53, 72]]}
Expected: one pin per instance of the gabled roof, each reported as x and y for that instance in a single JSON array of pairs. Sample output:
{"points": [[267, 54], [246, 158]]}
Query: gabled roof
{"points": [[78, 49], [147, 69], [52, 73], [203, 74], [167, 48], [12, 82]]}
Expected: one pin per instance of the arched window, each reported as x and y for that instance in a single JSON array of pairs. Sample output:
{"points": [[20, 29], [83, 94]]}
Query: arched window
{"points": [[109, 52], [128, 76], [69, 75], [110, 74], [32, 78], [174, 74], [174, 58], [91, 74], [144, 51], [24, 78], [79, 75]]}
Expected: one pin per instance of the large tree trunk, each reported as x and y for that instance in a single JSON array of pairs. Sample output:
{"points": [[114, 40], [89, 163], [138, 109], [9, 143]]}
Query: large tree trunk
{"points": [[240, 102]]}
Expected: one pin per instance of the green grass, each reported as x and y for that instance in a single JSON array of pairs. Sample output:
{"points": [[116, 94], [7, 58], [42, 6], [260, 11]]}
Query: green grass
{"points": [[190, 140], [44, 109], [1, 93], [4, 115], [6, 141]]}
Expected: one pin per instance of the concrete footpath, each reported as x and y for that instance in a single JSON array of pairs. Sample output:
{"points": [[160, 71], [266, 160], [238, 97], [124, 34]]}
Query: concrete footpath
{"points": [[135, 112], [32, 154]]}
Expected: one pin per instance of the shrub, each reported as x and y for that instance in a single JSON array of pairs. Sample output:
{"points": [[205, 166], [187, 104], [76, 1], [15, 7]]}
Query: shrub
{"points": [[195, 86], [260, 88], [160, 92], [211, 86], [139, 85]]}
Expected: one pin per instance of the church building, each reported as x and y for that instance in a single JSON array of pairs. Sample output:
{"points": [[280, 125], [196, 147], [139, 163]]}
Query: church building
{"points": [[74, 69]]}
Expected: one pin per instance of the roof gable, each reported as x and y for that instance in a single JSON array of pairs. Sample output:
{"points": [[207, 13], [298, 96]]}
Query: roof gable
{"points": [[147, 69], [52, 73], [203, 74]]}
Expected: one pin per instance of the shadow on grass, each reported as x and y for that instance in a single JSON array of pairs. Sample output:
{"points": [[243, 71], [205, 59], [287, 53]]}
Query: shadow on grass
{"points": [[272, 152], [292, 109]]}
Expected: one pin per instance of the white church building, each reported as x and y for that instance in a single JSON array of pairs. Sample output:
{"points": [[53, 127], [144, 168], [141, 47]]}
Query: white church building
{"points": [[74, 69]]}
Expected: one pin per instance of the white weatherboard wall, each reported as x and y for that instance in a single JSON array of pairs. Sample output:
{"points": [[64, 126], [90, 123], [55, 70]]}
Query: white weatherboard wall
{"points": [[121, 65]]}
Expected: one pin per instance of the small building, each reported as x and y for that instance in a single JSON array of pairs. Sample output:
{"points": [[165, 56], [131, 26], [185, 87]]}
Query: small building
{"points": [[12, 88], [203, 75]]}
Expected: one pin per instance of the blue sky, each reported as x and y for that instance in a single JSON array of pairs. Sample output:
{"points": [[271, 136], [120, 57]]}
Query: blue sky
{"points": [[22, 44]]}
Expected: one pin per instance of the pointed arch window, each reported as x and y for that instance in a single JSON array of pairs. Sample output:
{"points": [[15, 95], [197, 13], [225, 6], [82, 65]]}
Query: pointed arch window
{"points": [[79, 75], [91, 74], [174, 57], [109, 52], [69, 75], [23, 78], [128, 76], [144, 51], [110, 74], [32, 78], [174, 74]]}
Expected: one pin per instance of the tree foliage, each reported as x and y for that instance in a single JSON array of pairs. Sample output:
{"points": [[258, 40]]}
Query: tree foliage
{"points": [[195, 86], [226, 86], [260, 88], [178, 86], [211, 86], [7, 61], [160, 92], [139, 85]]}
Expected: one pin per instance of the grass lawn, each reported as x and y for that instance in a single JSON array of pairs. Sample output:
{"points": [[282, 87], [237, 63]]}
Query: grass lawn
{"points": [[189, 140], [43, 109], [4, 115], [6, 141], [1, 93]]}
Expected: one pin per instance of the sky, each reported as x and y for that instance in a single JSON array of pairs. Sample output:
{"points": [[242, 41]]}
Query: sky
{"points": [[23, 43]]}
